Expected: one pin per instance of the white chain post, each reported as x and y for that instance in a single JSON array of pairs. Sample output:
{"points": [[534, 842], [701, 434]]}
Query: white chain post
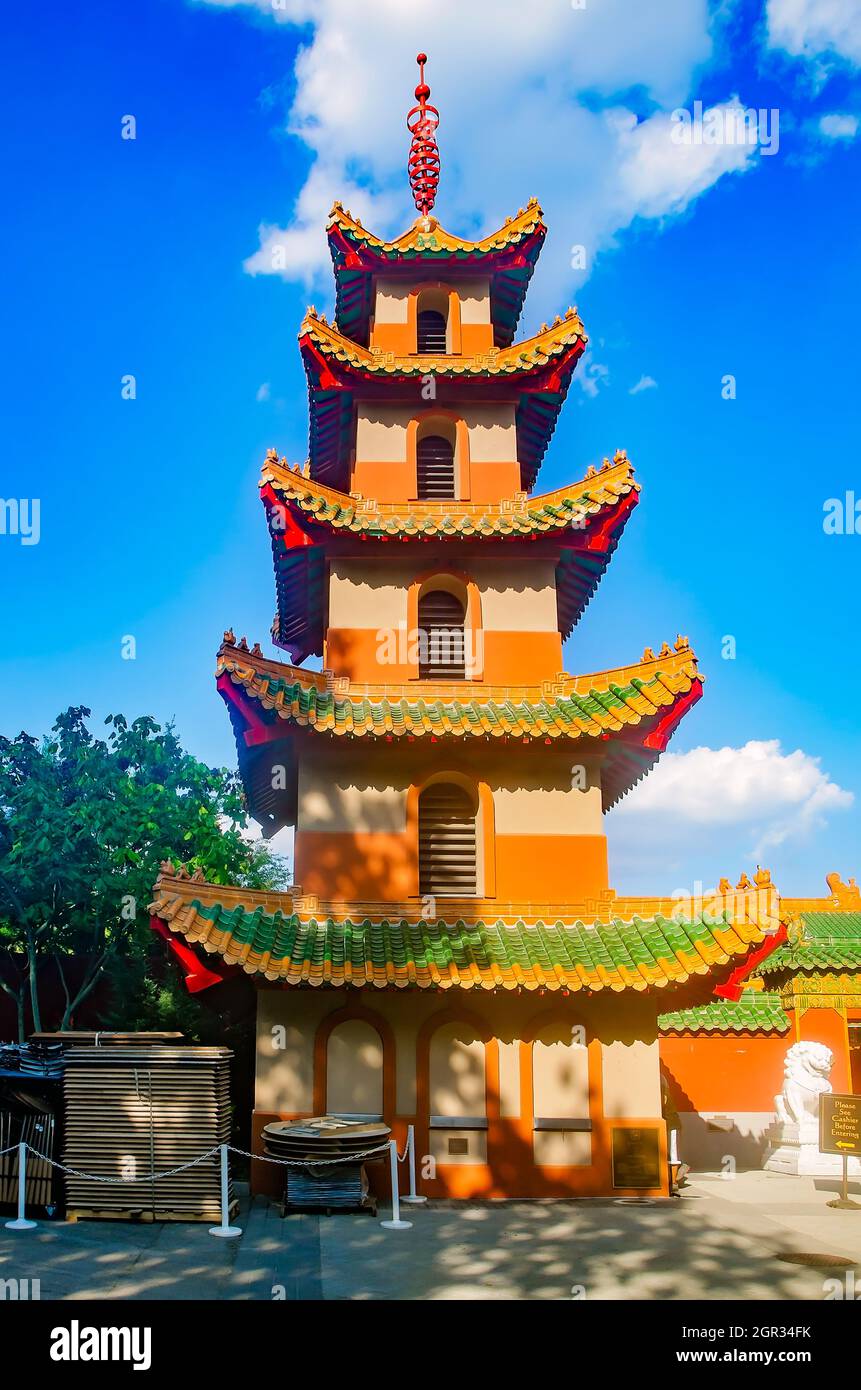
{"points": [[412, 1198], [396, 1224], [225, 1229], [21, 1224]]}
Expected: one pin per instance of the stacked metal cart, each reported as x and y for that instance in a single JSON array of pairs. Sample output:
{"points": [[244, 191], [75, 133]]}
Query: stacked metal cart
{"points": [[31, 1077], [325, 1158]]}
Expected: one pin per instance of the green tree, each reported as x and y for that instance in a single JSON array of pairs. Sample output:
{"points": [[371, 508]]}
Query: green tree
{"points": [[84, 825]]}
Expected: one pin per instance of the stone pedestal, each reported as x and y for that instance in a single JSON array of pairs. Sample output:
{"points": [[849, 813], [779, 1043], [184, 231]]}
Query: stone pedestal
{"points": [[795, 1149]]}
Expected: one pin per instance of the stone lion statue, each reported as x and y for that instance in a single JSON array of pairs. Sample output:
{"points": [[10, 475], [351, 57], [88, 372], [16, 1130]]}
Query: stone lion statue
{"points": [[806, 1069]]}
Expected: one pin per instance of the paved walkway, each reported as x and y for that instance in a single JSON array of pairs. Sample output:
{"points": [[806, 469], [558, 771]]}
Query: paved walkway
{"points": [[721, 1240]]}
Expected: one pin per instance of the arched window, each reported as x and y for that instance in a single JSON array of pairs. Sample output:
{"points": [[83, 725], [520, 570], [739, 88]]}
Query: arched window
{"points": [[457, 1084], [447, 842], [561, 1093], [442, 655], [431, 331], [435, 468], [354, 1070]]}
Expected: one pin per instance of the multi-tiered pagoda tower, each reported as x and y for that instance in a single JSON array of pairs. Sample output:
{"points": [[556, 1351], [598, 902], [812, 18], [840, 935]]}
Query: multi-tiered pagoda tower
{"points": [[455, 956]]}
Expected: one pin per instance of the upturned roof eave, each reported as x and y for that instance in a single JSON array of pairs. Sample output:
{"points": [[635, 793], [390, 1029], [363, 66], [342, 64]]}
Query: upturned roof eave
{"points": [[625, 717], [296, 939]]}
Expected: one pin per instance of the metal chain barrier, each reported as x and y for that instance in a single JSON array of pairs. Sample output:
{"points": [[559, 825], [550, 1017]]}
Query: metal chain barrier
{"points": [[225, 1229], [183, 1167], [143, 1177], [310, 1162]]}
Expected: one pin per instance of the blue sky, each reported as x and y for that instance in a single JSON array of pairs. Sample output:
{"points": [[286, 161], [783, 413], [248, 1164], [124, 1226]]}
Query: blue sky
{"points": [[145, 257]]}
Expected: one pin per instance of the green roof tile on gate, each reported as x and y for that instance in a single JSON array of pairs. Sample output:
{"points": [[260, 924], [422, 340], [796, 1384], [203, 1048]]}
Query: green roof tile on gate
{"points": [[756, 1011], [829, 941]]}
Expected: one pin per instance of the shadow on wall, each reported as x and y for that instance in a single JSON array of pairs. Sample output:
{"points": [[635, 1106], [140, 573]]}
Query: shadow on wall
{"points": [[358, 871], [548, 1076], [709, 1138], [397, 571], [707, 1142]]}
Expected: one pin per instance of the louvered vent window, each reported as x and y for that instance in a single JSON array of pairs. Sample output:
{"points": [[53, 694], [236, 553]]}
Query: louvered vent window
{"points": [[447, 860], [434, 468], [431, 333], [441, 637]]}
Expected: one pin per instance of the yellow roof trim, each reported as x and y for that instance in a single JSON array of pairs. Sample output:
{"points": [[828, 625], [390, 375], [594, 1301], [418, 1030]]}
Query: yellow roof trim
{"points": [[600, 487], [513, 230], [477, 944], [753, 907], [676, 666], [552, 341]]}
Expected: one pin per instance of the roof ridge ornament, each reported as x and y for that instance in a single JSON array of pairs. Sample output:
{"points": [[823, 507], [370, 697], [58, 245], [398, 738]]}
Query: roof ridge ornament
{"points": [[423, 163], [847, 896]]}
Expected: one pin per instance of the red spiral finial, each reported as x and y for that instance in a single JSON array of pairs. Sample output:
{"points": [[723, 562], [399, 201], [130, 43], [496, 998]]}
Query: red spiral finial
{"points": [[423, 163]]}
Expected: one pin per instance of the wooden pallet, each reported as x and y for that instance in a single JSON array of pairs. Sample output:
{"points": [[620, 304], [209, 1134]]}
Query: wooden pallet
{"points": [[149, 1217], [132, 1110]]}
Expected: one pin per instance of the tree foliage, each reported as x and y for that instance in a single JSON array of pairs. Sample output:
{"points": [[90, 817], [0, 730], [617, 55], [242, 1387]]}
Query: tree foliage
{"points": [[85, 823]]}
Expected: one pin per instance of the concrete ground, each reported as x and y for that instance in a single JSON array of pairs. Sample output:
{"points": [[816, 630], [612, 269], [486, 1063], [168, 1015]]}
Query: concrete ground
{"points": [[720, 1240]]}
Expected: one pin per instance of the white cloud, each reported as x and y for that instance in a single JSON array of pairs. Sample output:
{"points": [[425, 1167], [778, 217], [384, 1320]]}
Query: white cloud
{"points": [[533, 105], [838, 126], [646, 383], [263, 392], [591, 375], [660, 175], [818, 31], [773, 796], [298, 251]]}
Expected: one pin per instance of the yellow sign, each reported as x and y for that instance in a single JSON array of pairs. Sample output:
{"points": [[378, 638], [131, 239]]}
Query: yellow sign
{"points": [[840, 1124]]}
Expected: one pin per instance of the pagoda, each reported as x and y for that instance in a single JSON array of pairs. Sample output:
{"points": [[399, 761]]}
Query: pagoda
{"points": [[452, 955]]}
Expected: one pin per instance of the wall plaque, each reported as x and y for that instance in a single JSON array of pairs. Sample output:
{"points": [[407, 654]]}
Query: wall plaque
{"points": [[636, 1157]]}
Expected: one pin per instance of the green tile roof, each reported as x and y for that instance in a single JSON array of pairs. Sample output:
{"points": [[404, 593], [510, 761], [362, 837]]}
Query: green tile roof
{"points": [[638, 706], [296, 696], [754, 1012], [830, 941], [578, 505], [313, 945]]}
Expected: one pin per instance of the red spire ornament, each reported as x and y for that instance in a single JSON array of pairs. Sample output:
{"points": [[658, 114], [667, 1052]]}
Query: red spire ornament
{"points": [[423, 163]]}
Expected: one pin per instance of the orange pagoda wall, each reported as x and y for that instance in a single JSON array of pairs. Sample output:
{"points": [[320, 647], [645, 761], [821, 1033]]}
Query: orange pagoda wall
{"points": [[357, 835]]}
